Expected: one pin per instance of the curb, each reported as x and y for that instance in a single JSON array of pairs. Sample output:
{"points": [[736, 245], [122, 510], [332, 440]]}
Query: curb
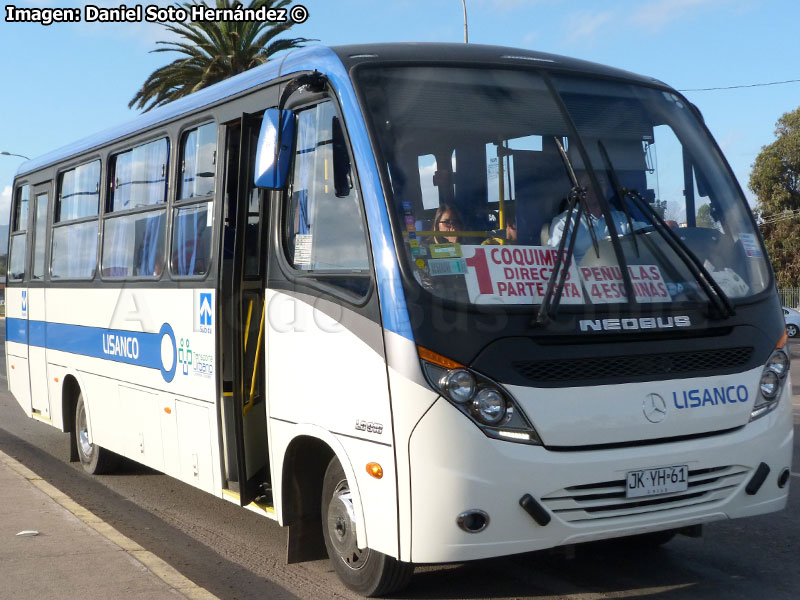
{"points": [[147, 559]]}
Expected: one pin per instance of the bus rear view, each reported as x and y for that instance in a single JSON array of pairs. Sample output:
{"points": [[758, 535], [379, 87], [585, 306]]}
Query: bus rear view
{"points": [[589, 294]]}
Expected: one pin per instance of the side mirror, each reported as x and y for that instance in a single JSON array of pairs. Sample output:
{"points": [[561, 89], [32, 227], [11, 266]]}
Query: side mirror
{"points": [[341, 161], [272, 166]]}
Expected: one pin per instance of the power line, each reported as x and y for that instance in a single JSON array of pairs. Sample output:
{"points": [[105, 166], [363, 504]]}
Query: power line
{"points": [[736, 87]]}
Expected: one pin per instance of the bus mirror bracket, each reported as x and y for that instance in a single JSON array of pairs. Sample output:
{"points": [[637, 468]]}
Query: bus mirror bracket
{"points": [[274, 153]]}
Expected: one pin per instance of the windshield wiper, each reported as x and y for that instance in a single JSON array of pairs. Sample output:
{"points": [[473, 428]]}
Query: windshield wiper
{"points": [[718, 298], [577, 196]]}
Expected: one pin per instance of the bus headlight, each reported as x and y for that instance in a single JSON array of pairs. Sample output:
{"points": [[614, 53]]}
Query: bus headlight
{"points": [[459, 385], [773, 378], [485, 402], [770, 385], [489, 406]]}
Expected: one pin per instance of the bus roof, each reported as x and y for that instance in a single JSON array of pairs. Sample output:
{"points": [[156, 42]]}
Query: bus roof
{"points": [[349, 56]]}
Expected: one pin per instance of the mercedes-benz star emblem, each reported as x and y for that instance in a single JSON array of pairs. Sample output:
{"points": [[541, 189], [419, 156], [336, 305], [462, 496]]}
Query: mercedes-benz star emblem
{"points": [[654, 407]]}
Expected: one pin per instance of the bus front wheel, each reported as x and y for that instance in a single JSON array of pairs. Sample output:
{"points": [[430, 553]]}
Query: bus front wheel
{"points": [[363, 570], [95, 460]]}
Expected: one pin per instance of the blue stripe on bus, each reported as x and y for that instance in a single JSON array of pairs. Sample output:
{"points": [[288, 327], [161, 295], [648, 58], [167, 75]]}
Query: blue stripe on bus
{"points": [[17, 330], [118, 345], [36, 333]]}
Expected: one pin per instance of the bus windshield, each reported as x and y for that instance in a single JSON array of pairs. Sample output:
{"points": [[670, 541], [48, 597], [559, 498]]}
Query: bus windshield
{"points": [[490, 168]]}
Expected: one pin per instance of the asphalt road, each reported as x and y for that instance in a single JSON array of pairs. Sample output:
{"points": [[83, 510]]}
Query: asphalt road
{"points": [[236, 554]]}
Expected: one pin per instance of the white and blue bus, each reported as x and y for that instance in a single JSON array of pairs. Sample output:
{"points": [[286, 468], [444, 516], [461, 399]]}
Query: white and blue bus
{"points": [[418, 303]]}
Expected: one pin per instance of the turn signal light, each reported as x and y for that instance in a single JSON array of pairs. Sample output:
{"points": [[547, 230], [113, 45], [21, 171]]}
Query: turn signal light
{"points": [[375, 470]]}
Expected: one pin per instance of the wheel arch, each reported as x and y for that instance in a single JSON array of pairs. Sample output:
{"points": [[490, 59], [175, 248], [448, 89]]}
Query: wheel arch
{"points": [[71, 389], [298, 489]]}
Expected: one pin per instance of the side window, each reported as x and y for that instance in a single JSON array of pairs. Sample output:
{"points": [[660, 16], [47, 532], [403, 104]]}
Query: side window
{"points": [[198, 162], [193, 222], [74, 251], [19, 237], [79, 192], [135, 224], [322, 232], [39, 235], [139, 177]]}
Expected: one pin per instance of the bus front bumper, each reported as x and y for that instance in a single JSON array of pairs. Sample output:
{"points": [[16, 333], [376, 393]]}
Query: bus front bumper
{"points": [[455, 468]]}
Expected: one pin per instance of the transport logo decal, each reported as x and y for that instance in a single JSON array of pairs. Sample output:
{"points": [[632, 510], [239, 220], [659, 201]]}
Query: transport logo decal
{"points": [[203, 312], [142, 349], [205, 309], [702, 397]]}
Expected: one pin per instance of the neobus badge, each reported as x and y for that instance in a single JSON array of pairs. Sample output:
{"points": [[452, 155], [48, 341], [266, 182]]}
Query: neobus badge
{"points": [[635, 324]]}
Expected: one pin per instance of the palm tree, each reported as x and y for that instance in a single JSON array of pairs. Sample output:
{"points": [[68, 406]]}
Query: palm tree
{"points": [[213, 51]]}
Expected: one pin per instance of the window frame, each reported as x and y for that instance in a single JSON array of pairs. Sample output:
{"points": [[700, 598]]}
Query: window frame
{"points": [[45, 189], [182, 135], [109, 215], [56, 209], [59, 179], [111, 162], [281, 198], [178, 204], [15, 233]]}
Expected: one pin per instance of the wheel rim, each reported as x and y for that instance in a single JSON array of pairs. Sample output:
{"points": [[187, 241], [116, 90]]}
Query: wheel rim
{"points": [[791, 330], [84, 445], [342, 528]]}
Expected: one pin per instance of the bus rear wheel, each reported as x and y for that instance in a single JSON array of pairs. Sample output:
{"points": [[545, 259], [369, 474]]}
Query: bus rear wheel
{"points": [[363, 570], [95, 459]]}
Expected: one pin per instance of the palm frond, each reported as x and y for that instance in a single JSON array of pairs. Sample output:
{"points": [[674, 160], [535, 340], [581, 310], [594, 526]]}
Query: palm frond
{"points": [[211, 52]]}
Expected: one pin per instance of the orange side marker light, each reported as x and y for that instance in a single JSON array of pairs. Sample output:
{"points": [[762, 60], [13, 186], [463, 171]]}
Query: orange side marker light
{"points": [[375, 470]]}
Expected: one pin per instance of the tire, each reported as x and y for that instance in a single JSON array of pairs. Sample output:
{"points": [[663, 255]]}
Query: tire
{"points": [[792, 330], [95, 459], [365, 571]]}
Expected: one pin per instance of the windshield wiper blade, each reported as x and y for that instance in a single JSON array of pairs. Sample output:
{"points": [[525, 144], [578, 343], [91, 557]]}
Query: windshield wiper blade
{"points": [[552, 296], [716, 295], [577, 196], [581, 196]]}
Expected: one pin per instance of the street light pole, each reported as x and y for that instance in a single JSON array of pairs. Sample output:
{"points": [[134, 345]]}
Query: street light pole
{"points": [[466, 36], [12, 154]]}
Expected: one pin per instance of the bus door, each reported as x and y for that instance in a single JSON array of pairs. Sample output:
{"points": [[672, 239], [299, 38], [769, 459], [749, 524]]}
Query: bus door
{"points": [[243, 407], [37, 319], [17, 300]]}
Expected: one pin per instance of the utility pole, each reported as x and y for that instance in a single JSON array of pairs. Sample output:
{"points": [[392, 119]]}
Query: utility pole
{"points": [[466, 36]]}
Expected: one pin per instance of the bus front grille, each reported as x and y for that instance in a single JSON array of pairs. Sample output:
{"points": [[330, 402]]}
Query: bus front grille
{"points": [[672, 364], [606, 500]]}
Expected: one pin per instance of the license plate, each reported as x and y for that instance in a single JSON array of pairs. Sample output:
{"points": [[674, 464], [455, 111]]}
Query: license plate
{"points": [[653, 482]]}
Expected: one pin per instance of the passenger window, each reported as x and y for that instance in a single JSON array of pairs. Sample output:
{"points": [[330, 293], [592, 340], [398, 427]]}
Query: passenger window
{"points": [[79, 192], [21, 209], [198, 162], [193, 220], [133, 241], [19, 227], [74, 251], [39, 236], [322, 232], [139, 177], [191, 239]]}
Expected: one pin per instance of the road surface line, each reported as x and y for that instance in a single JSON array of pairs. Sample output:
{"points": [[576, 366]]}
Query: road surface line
{"points": [[148, 560]]}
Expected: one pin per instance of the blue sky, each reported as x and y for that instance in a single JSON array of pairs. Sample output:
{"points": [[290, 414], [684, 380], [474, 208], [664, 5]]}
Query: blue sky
{"points": [[66, 81]]}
